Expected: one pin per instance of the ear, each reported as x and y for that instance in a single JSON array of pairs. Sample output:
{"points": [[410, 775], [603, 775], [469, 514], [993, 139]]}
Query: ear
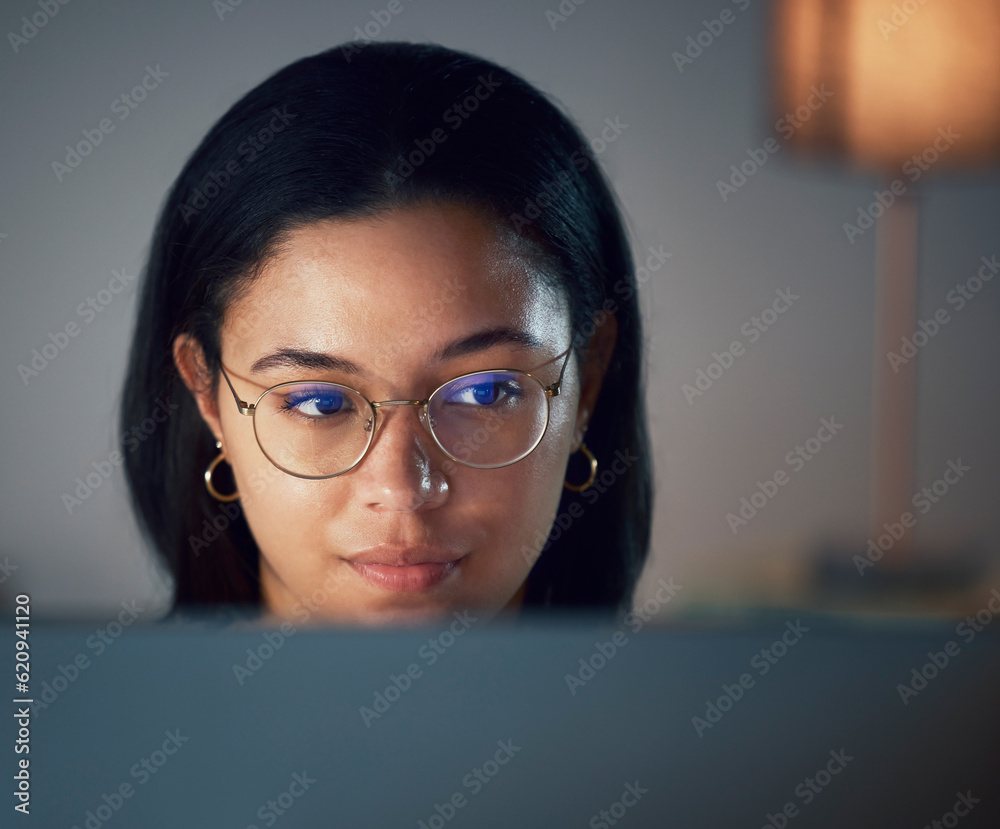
{"points": [[593, 368], [190, 361]]}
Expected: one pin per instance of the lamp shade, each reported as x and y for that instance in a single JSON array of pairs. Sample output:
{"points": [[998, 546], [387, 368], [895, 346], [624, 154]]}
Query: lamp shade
{"points": [[901, 74]]}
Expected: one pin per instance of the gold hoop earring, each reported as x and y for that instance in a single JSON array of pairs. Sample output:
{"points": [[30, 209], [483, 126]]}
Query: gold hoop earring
{"points": [[593, 471], [208, 477]]}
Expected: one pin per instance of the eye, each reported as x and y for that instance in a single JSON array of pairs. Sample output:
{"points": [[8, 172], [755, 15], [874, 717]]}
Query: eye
{"points": [[484, 390], [317, 402]]}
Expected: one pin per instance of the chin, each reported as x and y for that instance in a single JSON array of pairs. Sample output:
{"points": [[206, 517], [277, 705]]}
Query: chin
{"points": [[410, 615]]}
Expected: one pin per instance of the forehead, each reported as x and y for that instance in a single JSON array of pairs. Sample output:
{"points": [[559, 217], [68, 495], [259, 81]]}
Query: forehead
{"points": [[394, 286]]}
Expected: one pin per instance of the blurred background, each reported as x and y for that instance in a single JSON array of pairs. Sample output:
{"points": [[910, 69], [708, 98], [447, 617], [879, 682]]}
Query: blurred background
{"points": [[788, 269]]}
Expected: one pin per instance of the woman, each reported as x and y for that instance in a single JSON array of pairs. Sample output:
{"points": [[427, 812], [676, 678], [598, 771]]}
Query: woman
{"points": [[392, 308]]}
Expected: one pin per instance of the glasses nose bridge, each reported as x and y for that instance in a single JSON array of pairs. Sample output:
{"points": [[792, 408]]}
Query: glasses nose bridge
{"points": [[421, 406]]}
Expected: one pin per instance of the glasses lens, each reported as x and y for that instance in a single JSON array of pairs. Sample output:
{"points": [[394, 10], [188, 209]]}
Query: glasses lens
{"points": [[489, 419], [313, 429]]}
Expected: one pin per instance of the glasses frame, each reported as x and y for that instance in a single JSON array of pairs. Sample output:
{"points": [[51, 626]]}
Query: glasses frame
{"points": [[551, 390]]}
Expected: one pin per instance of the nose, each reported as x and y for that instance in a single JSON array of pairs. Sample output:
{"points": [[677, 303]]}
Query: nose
{"points": [[399, 473]]}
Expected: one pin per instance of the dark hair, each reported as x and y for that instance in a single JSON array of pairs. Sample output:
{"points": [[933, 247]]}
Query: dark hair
{"points": [[353, 131]]}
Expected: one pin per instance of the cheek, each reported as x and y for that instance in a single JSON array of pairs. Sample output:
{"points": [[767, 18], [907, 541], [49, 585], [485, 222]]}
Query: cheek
{"points": [[280, 509], [264, 489], [518, 503]]}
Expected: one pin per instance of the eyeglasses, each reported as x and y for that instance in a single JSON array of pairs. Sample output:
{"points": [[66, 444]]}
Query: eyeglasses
{"points": [[486, 420]]}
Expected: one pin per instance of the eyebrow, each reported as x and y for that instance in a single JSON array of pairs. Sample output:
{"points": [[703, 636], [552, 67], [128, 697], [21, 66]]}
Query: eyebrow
{"points": [[319, 361]]}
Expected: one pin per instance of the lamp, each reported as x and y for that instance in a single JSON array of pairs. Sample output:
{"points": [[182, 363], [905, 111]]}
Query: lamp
{"points": [[916, 90]]}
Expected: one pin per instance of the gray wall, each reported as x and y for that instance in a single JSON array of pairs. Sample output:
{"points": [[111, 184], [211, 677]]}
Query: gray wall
{"points": [[62, 240]]}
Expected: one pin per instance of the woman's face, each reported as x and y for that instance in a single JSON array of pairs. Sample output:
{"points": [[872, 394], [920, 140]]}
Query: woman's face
{"points": [[401, 297]]}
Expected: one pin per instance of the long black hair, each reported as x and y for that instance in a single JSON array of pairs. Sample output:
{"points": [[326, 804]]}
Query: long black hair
{"points": [[354, 131]]}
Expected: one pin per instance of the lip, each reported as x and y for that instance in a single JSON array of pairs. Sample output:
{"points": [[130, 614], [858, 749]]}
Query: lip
{"points": [[405, 569]]}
